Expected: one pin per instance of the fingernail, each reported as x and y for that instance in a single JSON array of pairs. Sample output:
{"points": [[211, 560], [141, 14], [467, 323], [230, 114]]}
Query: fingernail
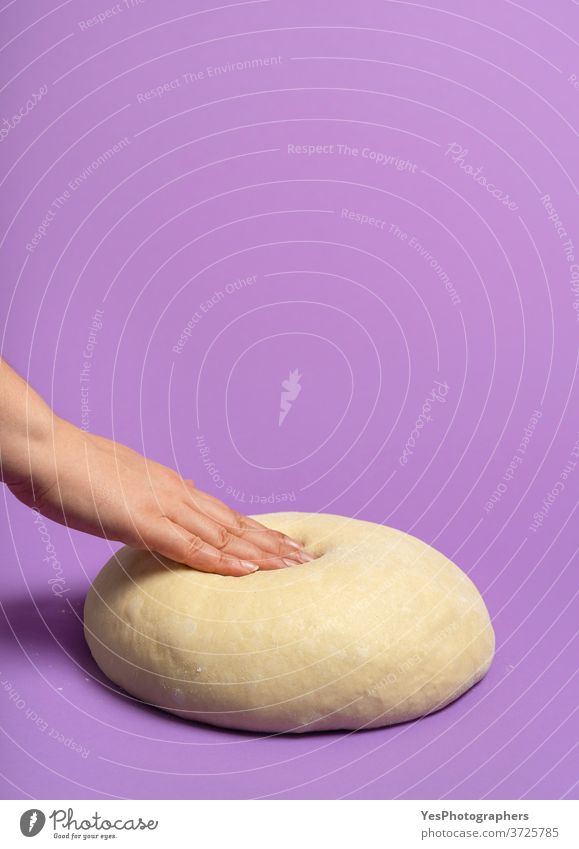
{"points": [[292, 542], [247, 566], [289, 562], [306, 558]]}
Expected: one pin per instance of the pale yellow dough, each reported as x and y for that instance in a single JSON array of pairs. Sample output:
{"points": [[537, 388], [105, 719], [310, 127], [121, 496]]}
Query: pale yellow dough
{"points": [[380, 628]]}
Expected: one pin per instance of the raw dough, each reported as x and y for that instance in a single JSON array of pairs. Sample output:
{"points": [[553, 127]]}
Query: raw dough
{"points": [[380, 628]]}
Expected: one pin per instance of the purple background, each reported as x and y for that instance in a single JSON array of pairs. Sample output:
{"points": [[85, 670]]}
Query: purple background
{"points": [[205, 193]]}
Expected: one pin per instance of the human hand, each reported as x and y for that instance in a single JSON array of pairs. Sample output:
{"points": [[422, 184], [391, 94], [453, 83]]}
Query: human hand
{"points": [[99, 486]]}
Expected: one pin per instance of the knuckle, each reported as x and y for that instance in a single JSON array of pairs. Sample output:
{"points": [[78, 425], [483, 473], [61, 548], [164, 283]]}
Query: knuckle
{"points": [[148, 535], [195, 502], [237, 521], [225, 564], [220, 564], [222, 537], [279, 540], [237, 524], [193, 545]]}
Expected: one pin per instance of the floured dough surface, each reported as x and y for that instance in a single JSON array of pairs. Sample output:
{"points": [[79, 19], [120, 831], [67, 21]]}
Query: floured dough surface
{"points": [[380, 628]]}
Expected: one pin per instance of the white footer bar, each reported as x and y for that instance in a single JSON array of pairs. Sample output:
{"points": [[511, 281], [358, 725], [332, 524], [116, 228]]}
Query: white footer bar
{"points": [[292, 824]]}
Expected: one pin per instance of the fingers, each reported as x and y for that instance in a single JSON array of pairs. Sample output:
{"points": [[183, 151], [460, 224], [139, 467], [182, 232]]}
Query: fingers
{"points": [[219, 537], [273, 542], [174, 542]]}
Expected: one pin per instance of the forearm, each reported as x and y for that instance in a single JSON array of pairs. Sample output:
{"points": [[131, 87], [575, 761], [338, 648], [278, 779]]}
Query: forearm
{"points": [[102, 487], [26, 423]]}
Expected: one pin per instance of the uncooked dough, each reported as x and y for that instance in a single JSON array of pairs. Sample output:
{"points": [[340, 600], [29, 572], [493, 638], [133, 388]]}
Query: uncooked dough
{"points": [[379, 628]]}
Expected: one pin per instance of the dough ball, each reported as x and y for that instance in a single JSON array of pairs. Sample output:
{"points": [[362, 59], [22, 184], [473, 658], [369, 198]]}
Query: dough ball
{"points": [[380, 628]]}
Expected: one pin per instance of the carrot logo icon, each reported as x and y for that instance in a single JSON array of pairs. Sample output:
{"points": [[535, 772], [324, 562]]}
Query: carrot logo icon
{"points": [[32, 822], [290, 389]]}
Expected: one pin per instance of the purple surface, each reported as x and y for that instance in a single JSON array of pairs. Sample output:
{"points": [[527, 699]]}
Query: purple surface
{"points": [[204, 193]]}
